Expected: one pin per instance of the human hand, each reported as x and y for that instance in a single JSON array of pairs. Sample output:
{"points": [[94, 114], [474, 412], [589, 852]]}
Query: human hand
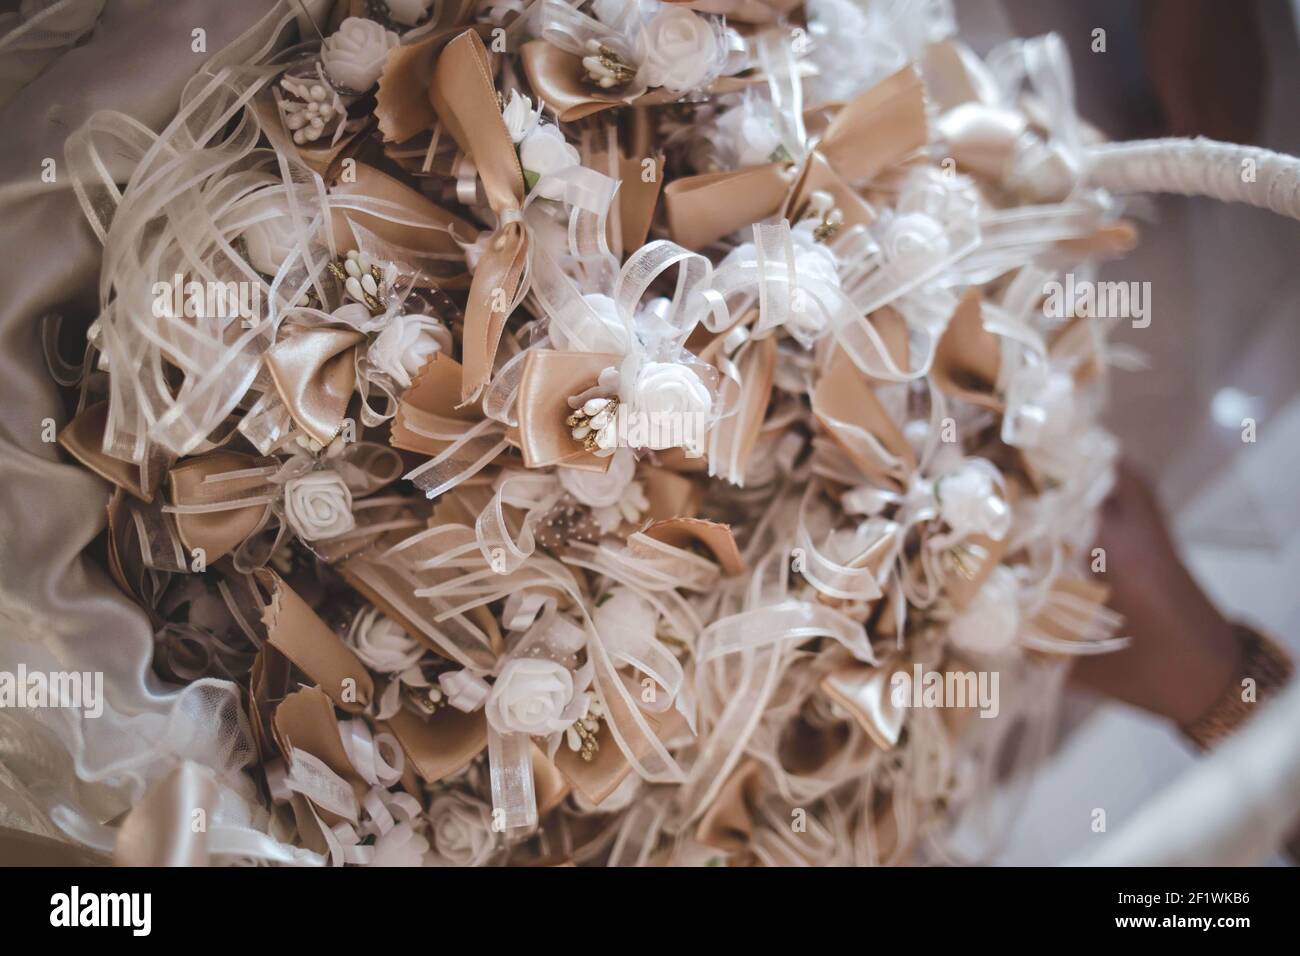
{"points": [[1184, 653]]}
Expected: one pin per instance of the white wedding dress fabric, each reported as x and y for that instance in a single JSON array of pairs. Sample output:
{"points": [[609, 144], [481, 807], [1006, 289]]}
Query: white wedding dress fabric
{"points": [[1233, 808], [63, 775], [38, 33]]}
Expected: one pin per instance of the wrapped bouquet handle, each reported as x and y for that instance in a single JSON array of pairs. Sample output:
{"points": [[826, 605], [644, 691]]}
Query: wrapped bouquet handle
{"points": [[1201, 167]]}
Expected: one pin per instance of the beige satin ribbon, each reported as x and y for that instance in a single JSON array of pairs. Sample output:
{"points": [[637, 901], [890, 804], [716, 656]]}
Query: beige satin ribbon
{"points": [[83, 439], [161, 829], [716, 539], [440, 745], [597, 778], [549, 378], [734, 437], [322, 157], [268, 684], [314, 370], [295, 630], [125, 563], [960, 587], [881, 127], [221, 531], [550, 786], [742, 11], [402, 104], [637, 197], [864, 691], [434, 396], [464, 96], [968, 357], [305, 720], [844, 402], [728, 823], [558, 78], [670, 495], [954, 75], [423, 245]]}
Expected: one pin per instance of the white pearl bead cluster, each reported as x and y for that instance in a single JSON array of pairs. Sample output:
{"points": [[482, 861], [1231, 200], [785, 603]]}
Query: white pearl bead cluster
{"points": [[593, 423], [315, 108], [606, 68], [581, 734], [362, 279], [821, 206]]}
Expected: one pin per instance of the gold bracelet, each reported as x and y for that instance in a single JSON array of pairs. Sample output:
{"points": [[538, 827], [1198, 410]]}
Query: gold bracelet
{"points": [[1263, 662]]}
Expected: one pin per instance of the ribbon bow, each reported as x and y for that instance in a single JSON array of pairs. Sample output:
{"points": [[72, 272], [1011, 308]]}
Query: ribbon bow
{"points": [[881, 127], [464, 97]]}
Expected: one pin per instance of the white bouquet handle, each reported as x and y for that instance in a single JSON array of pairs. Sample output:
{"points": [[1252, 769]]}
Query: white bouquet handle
{"points": [[1230, 826], [1201, 167]]}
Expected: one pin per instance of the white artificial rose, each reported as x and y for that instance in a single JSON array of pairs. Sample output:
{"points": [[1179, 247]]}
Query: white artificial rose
{"points": [[597, 328], [990, 623], [530, 697], [667, 402], [465, 691], [318, 505], [668, 387], [970, 503], [600, 489], [751, 133], [461, 829], [354, 54], [382, 644], [613, 12], [1049, 415], [406, 344], [914, 239], [814, 260], [273, 239], [400, 846], [545, 151], [682, 50], [931, 191], [620, 799], [407, 12], [519, 116]]}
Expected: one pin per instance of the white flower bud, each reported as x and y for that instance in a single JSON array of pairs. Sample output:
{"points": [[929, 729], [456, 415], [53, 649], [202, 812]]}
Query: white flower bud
{"points": [[520, 117], [382, 644], [683, 50], [530, 697], [544, 151], [970, 503], [354, 55], [990, 623], [318, 505]]}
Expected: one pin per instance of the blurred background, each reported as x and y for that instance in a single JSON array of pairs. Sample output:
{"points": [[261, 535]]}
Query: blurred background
{"points": [[1223, 345]]}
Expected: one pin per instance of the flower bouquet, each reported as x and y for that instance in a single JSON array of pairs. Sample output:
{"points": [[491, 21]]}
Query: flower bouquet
{"points": [[615, 432]]}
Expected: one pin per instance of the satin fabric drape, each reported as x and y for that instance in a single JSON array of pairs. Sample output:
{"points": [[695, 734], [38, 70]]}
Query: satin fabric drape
{"points": [[58, 609]]}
